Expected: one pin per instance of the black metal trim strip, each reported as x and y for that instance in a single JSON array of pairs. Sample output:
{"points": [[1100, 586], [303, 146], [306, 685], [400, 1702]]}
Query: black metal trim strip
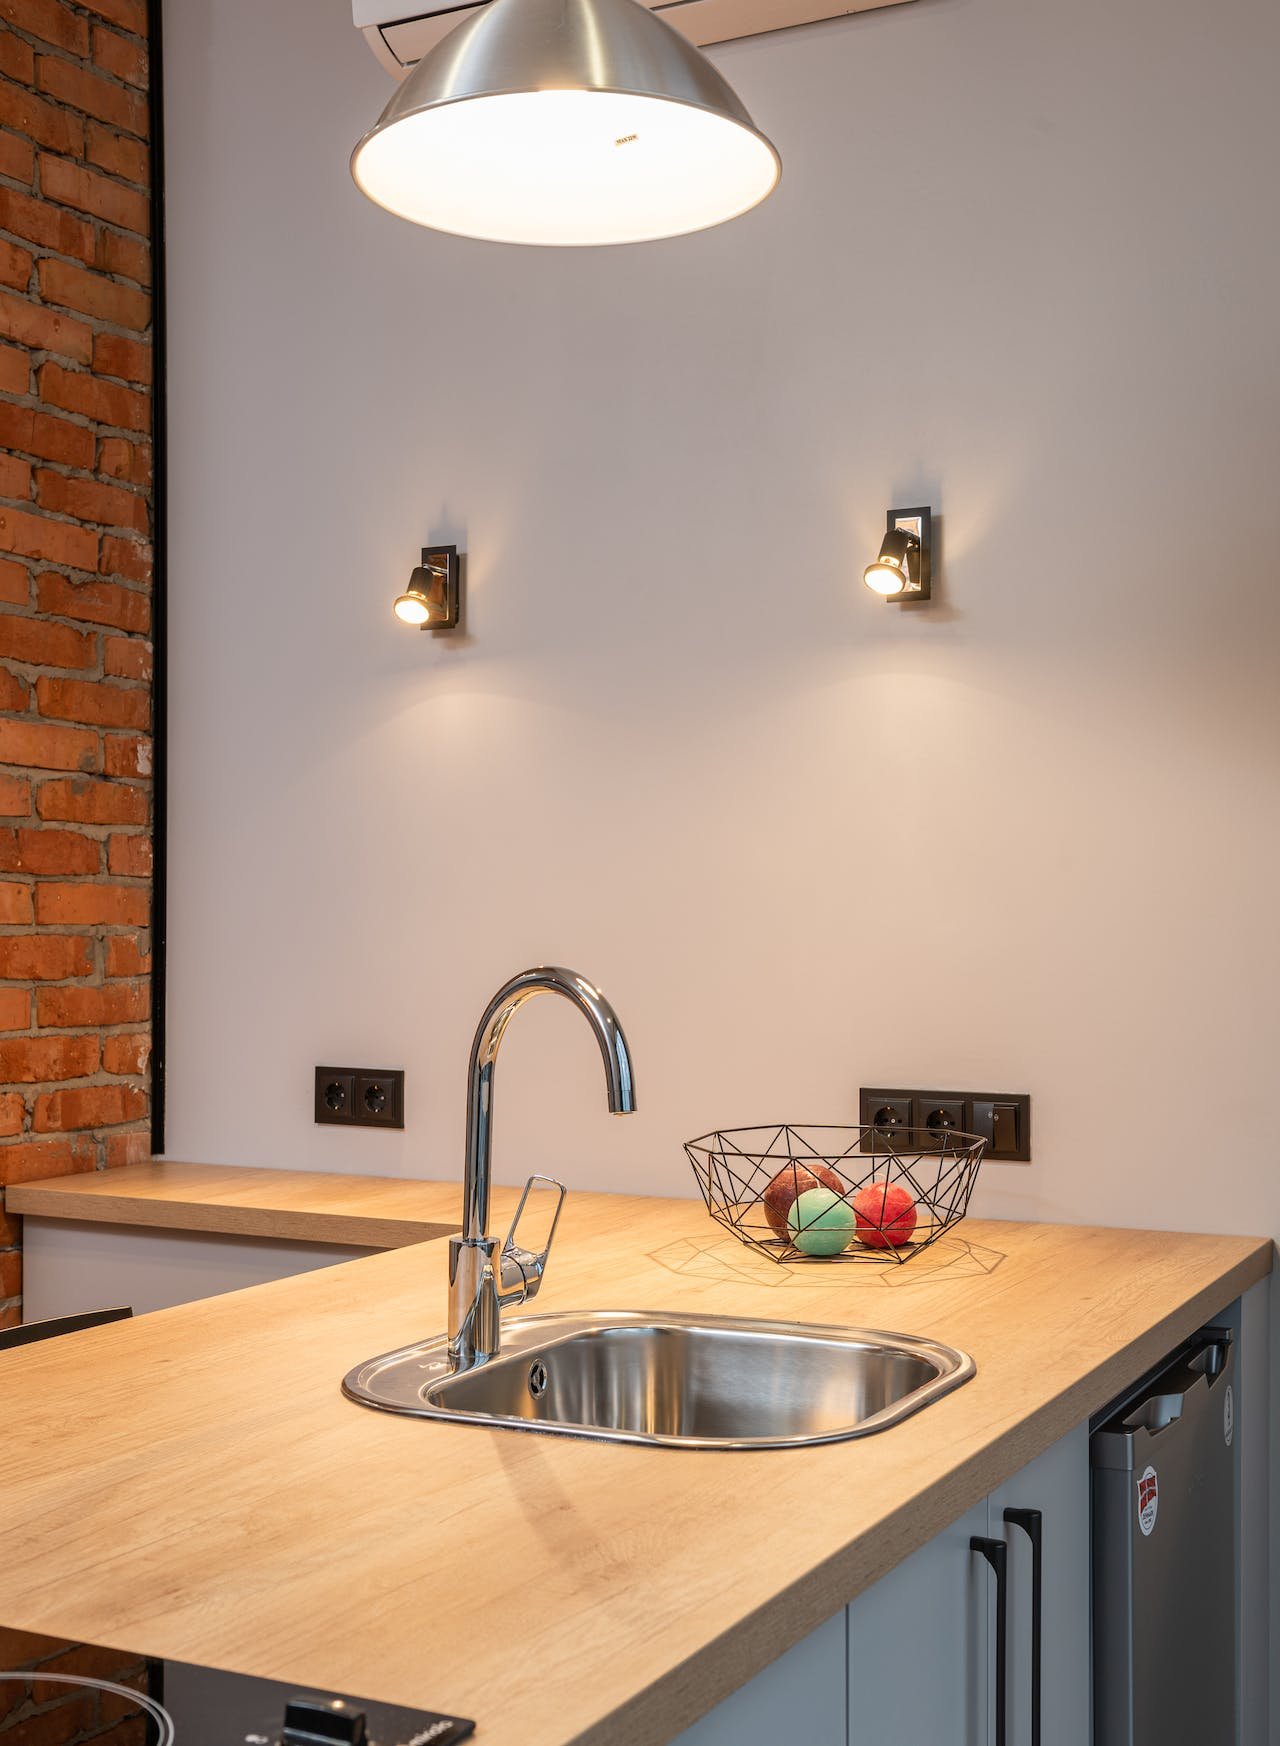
{"points": [[159, 585]]}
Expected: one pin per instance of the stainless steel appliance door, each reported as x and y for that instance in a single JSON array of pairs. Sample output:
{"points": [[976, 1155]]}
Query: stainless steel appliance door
{"points": [[1164, 1586]]}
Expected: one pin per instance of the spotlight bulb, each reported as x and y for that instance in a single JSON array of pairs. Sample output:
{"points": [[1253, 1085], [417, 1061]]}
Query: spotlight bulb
{"points": [[884, 577], [412, 608]]}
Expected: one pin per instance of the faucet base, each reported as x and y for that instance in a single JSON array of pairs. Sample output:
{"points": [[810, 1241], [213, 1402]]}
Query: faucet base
{"points": [[474, 1307]]}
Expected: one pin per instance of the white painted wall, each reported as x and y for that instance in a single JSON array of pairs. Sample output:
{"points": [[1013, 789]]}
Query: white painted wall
{"points": [[1023, 264]]}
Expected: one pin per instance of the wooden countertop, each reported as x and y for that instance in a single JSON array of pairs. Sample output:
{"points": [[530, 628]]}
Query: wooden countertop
{"points": [[376, 1212], [193, 1484]]}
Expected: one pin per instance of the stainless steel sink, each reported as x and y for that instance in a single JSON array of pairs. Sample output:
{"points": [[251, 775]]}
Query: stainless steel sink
{"points": [[684, 1382]]}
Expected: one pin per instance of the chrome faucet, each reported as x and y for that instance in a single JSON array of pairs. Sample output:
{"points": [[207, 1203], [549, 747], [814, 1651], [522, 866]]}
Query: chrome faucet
{"points": [[480, 1283]]}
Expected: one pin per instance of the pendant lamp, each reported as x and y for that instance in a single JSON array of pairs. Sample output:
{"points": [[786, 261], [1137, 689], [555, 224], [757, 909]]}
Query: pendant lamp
{"points": [[565, 123]]}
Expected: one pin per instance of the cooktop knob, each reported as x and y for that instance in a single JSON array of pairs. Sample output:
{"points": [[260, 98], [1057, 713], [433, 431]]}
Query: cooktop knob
{"points": [[323, 1722]]}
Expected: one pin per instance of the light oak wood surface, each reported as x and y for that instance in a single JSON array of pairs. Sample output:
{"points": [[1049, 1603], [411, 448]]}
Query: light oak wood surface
{"points": [[307, 1206], [193, 1484]]}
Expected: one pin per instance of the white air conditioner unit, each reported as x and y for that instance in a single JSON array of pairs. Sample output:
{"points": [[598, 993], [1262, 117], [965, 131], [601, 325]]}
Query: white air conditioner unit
{"points": [[400, 39]]}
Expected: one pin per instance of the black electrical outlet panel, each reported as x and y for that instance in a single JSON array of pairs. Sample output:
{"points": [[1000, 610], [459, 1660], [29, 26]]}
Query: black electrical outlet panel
{"points": [[1003, 1119], [360, 1097]]}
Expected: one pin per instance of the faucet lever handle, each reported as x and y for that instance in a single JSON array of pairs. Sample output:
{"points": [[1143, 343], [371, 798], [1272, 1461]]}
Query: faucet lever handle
{"points": [[529, 1264]]}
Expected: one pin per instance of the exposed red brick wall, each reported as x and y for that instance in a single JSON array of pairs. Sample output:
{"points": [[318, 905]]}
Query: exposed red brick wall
{"points": [[40, 1711], [75, 594]]}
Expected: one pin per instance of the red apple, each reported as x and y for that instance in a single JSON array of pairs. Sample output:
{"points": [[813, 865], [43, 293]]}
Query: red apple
{"points": [[790, 1182], [885, 1214]]}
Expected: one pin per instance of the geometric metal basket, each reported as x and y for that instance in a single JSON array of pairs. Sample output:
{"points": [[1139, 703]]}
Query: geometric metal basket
{"points": [[750, 1177]]}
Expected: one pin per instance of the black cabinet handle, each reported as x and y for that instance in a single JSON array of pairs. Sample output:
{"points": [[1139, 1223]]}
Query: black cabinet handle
{"points": [[1032, 1524], [996, 1554]]}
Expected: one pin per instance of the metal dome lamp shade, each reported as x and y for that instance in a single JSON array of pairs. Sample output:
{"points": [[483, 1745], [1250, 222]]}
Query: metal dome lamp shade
{"points": [[565, 123]]}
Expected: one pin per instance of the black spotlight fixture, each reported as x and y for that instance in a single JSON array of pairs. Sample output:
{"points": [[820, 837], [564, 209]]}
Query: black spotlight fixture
{"points": [[904, 568], [431, 599]]}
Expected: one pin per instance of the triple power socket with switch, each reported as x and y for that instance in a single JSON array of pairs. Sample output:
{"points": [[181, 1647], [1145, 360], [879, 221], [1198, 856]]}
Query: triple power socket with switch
{"points": [[360, 1097], [1002, 1119]]}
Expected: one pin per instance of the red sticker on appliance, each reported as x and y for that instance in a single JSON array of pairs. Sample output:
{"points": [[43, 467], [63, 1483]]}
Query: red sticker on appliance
{"points": [[1148, 1500]]}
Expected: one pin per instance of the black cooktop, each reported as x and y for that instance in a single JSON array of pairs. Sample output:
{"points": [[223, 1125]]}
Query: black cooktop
{"points": [[56, 1693]]}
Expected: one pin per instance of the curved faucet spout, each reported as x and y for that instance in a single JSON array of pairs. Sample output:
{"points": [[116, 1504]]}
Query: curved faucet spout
{"points": [[546, 979], [477, 1290]]}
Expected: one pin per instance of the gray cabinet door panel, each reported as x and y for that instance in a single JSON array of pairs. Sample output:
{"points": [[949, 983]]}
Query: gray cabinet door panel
{"points": [[800, 1697], [1056, 1484], [919, 1646]]}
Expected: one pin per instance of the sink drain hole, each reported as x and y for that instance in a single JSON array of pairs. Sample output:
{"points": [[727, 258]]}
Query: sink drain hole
{"points": [[537, 1378]]}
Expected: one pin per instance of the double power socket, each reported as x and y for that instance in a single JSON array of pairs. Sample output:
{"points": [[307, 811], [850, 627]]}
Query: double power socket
{"points": [[361, 1097]]}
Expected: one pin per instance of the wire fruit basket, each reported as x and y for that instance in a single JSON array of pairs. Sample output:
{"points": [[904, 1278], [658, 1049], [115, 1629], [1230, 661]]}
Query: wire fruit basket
{"points": [[852, 1194]]}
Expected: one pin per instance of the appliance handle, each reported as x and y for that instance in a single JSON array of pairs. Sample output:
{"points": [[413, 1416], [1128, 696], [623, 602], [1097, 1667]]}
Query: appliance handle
{"points": [[1032, 1524], [996, 1554]]}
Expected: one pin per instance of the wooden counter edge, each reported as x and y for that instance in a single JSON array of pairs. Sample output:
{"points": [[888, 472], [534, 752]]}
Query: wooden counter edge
{"points": [[42, 1199]]}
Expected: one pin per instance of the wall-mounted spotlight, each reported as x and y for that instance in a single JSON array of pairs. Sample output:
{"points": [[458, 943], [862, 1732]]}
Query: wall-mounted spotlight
{"points": [[431, 599], [904, 569]]}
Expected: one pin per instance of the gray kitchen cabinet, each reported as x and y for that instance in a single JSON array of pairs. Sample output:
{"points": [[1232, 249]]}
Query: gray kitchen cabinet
{"points": [[919, 1647], [1055, 1489], [912, 1661], [800, 1696], [924, 1644]]}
